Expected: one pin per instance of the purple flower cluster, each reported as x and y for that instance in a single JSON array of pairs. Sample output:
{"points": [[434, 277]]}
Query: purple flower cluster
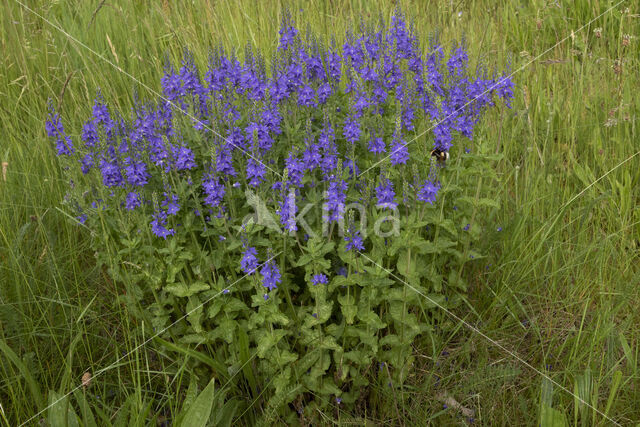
{"points": [[385, 194], [354, 241], [55, 130], [249, 262], [239, 119], [318, 279], [270, 275], [428, 191]]}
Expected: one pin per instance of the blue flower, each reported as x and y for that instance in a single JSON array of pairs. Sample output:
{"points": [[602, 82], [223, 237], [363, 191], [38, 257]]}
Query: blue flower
{"points": [[287, 33], [324, 92], [136, 172], [385, 194], [158, 225], [351, 129], [249, 261], [224, 161], [90, 134], [428, 191], [399, 152], [377, 145], [55, 129], [295, 168], [306, 96], [184, 159], [133, 201], [171, 204], [270, 275], [312, 157], [111, 175], [335, 196], [214, 191], [255, 172], [354, 242], [319, 279], [287, 210], [505, 89]]}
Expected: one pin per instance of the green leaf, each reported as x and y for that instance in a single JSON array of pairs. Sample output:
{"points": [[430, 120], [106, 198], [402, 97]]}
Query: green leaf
{"points": [[195, 310], [329, 343], [197, 415], [227, 329], [173, 270], [437, 247], [224, 417], [60, 413], [244, 356], [304, 260], [122, 419], [218, 367], [371, 319], [329, 387], [480, 202], [277, 317], [359, 357], [191, 394], [87, 416], [550, 417], [214, 307], [348, 307], [232, 305], [267, 340], [455, 281], [285, 357], [183, 290], [615, 384], [406, 265], [36, 395]]}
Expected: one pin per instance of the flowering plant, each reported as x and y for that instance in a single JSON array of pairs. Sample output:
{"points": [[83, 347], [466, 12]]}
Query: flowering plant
{"points": [[291, 214]]}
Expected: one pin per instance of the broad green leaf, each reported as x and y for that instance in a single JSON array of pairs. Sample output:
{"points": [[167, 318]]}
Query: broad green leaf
{"points": [[371, 319], [224, 417], [348, 307], [267, 340], [60, 413], [183, 290], [329, 387], [198, 413], [232, 305], [173, 270], [304, 260], [88, 419], [550, 417], [359, 357], [195, 311], [406, 264]]}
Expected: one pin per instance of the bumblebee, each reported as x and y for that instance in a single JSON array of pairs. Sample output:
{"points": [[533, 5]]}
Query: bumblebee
{"points": [[441, 156]]}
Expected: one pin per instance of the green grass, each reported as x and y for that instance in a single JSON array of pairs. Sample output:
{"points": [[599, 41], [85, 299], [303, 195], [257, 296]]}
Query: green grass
{"points": [[563, 288]]}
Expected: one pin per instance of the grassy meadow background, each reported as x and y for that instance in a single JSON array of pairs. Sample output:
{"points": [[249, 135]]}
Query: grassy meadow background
{"points": [[561, 286]]}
